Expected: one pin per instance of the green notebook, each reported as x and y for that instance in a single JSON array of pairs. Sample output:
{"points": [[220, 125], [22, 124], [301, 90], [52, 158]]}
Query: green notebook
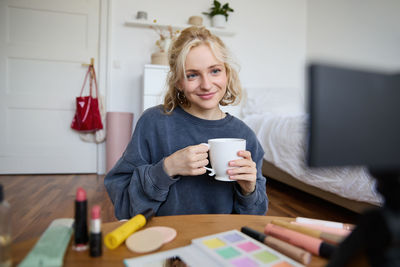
{"points": [[50, 249]]}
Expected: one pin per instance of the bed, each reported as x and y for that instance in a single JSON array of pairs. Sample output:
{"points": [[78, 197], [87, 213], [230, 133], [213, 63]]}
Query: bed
{"points": [[281, 129]]}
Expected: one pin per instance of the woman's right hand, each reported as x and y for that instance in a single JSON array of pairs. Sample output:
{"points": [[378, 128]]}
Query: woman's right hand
{"points": [[188, 161]]}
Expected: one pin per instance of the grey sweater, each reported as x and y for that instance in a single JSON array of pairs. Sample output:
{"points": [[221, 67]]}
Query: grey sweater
{"points": [[138, 180]]}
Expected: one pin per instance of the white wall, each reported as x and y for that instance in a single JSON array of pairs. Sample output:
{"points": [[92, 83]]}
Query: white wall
{"points": [[269, 44], [362, 33], [272, 41]]}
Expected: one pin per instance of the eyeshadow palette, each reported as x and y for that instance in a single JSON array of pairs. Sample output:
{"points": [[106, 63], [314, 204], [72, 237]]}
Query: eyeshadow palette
{"points": [[232, 248]]}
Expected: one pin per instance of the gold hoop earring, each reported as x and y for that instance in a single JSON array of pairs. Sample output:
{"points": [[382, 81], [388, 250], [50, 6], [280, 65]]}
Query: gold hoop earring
{"points": [[181, 97]]}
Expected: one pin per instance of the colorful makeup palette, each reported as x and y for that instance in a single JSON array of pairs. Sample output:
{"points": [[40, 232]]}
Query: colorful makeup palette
{"points": [[232, 248]]}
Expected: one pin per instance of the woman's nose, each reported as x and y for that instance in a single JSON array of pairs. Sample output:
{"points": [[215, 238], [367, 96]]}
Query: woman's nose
{"points": [[206, 82]]}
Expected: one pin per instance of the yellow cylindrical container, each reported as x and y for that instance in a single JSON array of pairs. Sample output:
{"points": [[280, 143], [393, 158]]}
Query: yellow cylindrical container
{"points": [[119, 235]]}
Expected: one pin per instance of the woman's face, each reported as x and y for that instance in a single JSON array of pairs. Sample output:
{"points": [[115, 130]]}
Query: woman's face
{"points": [[205, 82]]}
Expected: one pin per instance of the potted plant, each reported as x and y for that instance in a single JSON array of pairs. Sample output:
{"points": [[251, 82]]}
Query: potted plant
{"points": [[219, 14]]}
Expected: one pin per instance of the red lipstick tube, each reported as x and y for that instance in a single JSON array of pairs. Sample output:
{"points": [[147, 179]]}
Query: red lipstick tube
{"points": [[80, 225]]}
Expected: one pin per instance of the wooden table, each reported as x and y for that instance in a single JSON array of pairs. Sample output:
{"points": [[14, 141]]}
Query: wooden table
{"points": [[188, 227]]}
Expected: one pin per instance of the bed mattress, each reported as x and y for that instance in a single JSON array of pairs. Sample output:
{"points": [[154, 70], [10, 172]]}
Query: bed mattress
{"points": [[284, 143]]}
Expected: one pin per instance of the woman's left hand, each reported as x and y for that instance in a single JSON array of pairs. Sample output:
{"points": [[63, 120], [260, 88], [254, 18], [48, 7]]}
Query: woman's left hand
{"points": [[245, 172]]}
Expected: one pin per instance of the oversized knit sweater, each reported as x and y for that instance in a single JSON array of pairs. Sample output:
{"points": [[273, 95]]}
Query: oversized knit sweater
{"points": [[138, 180]]}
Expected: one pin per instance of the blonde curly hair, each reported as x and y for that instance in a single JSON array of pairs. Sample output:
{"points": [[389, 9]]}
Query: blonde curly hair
{"points": [[192, 37]]}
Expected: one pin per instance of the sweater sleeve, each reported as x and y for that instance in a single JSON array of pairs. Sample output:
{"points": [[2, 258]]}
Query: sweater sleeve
{"points": [[257, 202], [137, 182], [134, 189]]}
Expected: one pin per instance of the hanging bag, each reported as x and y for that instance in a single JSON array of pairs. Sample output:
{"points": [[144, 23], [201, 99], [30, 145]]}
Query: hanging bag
{"points": [[87, 115]]}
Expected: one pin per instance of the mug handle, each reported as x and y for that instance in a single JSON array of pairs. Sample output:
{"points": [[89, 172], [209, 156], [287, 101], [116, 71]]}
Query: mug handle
{"points": [[212, 172]]}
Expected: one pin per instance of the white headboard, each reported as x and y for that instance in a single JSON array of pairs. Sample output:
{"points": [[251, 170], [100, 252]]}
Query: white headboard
{"points": [[284, 101]]}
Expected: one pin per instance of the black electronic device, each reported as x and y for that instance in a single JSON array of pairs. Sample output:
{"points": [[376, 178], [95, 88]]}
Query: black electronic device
{"points": [[355, 121]]}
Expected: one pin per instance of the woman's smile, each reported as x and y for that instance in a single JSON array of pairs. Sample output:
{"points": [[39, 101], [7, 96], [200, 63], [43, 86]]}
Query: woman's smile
{"points": [[206, 96]]}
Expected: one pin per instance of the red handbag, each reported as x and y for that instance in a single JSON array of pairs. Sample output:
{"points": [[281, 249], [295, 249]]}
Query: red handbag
{"points": [[87, 116]]}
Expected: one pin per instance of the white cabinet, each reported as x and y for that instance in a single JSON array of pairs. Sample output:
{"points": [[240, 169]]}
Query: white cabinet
{"points": [[154, 85]]}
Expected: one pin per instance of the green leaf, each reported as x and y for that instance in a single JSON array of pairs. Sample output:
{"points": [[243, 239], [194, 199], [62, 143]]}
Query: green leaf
{"points": [[217, 9], [217, 5]]}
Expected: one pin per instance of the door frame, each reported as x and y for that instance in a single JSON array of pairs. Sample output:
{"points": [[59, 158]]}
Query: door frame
{"points": [[104, 71]]}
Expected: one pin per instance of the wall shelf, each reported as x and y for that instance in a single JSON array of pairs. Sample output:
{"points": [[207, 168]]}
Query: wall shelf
{"points": [[147, 24]]}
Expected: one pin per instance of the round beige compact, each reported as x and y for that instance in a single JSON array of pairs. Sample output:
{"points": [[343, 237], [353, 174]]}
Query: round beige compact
{"points": [[168, 232], [145, 241]]}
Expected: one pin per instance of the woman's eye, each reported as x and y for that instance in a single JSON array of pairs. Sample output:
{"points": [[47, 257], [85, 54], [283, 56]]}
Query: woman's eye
{"points": [[191, 76], [215, 71]]}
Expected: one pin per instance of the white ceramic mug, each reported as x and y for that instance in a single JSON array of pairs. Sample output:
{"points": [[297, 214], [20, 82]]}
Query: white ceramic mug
{"points": [[221, 151]]}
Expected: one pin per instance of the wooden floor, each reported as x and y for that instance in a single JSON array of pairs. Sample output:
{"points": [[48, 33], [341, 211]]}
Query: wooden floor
{"points": [[36, 200], [288, 201]]}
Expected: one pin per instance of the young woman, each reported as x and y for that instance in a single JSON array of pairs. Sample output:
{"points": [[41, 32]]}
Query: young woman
{"points": [[163, 165]]}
